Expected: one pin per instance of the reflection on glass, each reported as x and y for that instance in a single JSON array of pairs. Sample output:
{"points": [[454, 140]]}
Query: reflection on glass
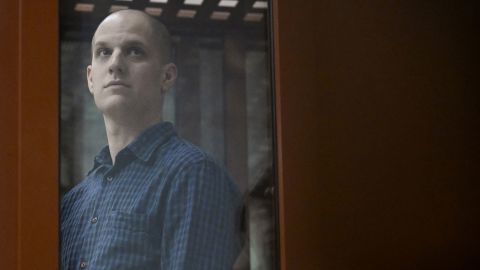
{"points": [[221, 102]]}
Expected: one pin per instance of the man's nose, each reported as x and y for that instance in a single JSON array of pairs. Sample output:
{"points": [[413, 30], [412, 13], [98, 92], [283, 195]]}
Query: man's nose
{"points": [[117, 63]]}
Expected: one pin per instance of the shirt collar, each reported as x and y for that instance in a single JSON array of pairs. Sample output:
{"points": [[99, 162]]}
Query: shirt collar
{"points": [[143, 146], [149, 140]]}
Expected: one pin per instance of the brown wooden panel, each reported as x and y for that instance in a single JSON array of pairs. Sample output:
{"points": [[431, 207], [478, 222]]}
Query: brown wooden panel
{"points": [[38, 136], [8, 133], [379, 143]]}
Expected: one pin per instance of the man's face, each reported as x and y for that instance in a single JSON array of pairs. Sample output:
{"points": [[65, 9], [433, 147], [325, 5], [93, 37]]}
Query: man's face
{"points": [[127, 75]]}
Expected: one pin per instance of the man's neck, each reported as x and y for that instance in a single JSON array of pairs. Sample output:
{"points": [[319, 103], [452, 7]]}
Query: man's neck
{"points": [[121, 134]]}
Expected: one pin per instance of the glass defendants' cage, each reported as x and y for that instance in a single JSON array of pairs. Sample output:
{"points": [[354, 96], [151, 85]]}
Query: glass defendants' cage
{"points": [[222, 101]]}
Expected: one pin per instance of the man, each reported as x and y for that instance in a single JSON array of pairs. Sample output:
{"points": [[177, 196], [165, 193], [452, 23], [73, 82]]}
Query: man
{"points": [[152, 200]]}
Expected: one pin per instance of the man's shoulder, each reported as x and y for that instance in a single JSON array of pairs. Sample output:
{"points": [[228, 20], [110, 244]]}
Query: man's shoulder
{"points": [[195, 167], [181, 153]]}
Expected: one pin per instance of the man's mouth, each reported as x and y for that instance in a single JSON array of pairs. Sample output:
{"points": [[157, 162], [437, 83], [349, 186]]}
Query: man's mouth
{"points": [[116, 83]]}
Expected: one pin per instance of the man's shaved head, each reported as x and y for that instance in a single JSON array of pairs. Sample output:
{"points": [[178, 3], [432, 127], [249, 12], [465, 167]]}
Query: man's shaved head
{"points": [[159, 31], [131, 70]]}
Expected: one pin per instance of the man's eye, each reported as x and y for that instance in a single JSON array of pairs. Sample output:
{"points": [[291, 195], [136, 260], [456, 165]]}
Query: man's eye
{"points": [[104, 52], [134, 51]]}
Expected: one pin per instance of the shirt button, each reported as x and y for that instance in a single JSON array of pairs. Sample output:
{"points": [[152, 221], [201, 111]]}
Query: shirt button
{"points": [[109, 178], [83, 265], [94, 220]]}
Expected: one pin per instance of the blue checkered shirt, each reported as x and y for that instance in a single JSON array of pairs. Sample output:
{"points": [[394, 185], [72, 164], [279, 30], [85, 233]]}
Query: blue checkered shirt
{"points": [[164, 205]]}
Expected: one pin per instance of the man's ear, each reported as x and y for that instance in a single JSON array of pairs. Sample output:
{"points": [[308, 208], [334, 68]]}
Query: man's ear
{"points": [[89, 79], [169, 77]]}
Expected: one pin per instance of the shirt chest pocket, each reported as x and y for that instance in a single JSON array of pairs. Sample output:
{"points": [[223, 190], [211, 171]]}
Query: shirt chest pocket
{"points": [[125, 243]]}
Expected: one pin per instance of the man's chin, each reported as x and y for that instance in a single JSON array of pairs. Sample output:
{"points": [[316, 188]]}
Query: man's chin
{"points": [[115, 105]]}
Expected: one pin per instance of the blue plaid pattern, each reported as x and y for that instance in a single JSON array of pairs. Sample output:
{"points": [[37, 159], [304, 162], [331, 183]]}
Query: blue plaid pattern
{"points": [[164, 205]]}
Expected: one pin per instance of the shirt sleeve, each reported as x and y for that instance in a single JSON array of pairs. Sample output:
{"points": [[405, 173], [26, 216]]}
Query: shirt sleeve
{"points": [[202, 222]]}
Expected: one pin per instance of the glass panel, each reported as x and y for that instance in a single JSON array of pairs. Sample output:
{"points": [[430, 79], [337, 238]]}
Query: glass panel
{"points": [[221, 102]]}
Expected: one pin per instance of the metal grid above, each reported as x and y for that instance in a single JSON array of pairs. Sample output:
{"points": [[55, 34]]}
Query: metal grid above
{"points": [[79, 18]]}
